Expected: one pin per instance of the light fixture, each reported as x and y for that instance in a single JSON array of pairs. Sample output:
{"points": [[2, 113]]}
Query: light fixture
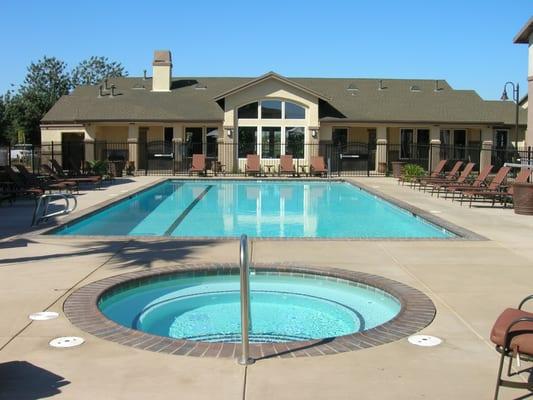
{"points": [[314, 133], [504, 95], [229, 132]]}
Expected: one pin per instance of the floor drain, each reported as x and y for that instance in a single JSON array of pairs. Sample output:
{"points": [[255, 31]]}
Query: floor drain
{"points": [[66, 341], [424, 340], [44, 316]]}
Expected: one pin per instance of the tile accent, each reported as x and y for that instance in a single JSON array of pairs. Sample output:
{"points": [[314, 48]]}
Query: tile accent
{"points": [[81, 308]]}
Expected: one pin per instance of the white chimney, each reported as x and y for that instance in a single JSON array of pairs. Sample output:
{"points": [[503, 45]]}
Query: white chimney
{"points": [[162, 71]]}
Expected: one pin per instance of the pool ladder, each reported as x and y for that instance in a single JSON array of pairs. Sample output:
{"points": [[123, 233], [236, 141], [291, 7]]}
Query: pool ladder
{"points": [[246, 320], [41, 208]]}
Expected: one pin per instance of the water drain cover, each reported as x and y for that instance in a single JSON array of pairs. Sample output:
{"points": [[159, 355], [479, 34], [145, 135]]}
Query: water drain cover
{"points": [[424, 340], [44, 315], [66, 341]]}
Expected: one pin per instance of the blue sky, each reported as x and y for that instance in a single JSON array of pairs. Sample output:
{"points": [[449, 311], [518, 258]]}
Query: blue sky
{"points": [[468, 43]]}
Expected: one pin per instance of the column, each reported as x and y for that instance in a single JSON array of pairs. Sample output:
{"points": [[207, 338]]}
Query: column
{"points": [[381, 149], [529, 131], [133, 148], [88, 140], [485, 156], [434, 147], [228, 145], [311, 145]]}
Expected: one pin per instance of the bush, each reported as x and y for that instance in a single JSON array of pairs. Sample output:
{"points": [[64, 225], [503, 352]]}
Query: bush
{"points": [[413, 171], [98, 167]]}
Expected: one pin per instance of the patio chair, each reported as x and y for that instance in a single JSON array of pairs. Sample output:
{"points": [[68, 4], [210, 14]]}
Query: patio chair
{"points": [[478, 183], [449, 177], [492, 191], [21, 188], [253, 164], [58, 168], [95, 180], [198, 164], [437, 172], [318, 166], [286, 166], [465, 173], [512, 333]]}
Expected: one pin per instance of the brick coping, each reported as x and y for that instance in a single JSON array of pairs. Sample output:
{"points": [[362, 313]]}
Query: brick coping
{"points": [[417, 311]]}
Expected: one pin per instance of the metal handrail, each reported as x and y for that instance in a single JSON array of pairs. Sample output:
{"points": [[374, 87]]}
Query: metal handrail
{"points": [[246, 319], [41, 209]]}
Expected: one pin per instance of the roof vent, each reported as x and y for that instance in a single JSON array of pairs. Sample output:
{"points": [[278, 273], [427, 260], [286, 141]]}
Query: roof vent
{"points": [[352, 88], [415, 88], [100, 94], [105, 84], [381, 86], [113, 87], [200, 86], [437, 88]]}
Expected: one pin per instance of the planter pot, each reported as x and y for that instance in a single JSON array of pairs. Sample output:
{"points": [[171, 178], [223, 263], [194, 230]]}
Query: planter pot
{"points": [[523, 198], [382, 168], [397, 168]]}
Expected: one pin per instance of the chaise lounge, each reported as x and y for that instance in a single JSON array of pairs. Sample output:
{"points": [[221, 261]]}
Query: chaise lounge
{"points": [[318, 166], [198, 164], [253, 164], [286, 166]]}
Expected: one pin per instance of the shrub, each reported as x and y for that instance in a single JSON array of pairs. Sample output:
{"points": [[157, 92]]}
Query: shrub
{"points": [[413, 171]]}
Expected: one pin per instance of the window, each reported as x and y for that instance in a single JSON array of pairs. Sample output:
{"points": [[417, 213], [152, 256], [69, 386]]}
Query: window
{"points": [[169, 134], [248, 111], [211, 142], [271, 142], [271, 109], [247, 140], [406, 142], [294, 141], [294, 111]]}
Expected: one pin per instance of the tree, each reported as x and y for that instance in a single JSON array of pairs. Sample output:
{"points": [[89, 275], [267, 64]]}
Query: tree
{"points": [[94, 70], [45, 82]]}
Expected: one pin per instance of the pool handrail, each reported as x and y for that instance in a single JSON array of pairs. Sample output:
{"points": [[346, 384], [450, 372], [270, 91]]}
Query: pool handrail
{"points": [[244, 261]]}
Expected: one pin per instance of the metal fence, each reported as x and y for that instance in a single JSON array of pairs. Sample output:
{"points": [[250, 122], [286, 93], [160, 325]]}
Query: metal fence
{"points": [[168, 158]]}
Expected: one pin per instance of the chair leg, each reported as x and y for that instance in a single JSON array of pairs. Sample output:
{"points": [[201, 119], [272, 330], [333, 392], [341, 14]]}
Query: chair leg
{"points": [[499, 377]]}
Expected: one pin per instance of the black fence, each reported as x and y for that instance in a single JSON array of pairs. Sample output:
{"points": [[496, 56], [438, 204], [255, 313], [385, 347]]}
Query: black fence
{"points": [[168, 158]]}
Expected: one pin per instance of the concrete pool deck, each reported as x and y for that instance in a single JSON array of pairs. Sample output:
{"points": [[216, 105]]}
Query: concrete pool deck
{"points": [[470, 282]]}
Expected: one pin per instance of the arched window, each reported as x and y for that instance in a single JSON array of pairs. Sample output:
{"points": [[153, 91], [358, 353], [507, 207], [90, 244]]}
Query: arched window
{"points": [[294, 111], [249, 111]]}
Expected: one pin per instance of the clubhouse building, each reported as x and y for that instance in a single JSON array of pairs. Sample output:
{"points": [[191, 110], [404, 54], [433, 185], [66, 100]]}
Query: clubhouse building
{"points": [[153, 118]]}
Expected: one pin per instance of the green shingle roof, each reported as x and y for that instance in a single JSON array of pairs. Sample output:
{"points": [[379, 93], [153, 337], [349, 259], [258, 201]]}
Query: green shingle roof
{"points": [[192, 99]]}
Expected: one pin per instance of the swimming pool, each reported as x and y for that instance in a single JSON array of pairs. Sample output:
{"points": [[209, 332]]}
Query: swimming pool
{"points": [[261, 209], [283, 308]]}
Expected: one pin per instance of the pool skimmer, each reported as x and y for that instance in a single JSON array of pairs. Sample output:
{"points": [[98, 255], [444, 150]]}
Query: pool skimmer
{"points": [[66, 341], [43, 316], [424, 340]]}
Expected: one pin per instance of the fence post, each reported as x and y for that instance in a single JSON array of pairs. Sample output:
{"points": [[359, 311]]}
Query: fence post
{"points": [[146, 160], [52, 153]]}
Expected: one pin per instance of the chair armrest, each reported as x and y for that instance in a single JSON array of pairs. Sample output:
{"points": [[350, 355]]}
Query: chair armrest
{"points": [[509, 336], [524, 301]]}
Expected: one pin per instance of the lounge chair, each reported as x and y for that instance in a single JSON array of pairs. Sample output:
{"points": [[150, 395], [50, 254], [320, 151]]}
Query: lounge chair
{"points": [[253, 164], [465, 173], [58, 168], [286, 166], [198, 164], [21, 188], [449, 177], [437, 172], [478, 183], [512, 334], [318, 166], [95, 180], [492, 191], [74, 174]]}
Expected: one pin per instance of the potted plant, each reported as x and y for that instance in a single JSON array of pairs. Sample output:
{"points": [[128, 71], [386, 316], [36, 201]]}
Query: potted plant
{"points": [[397, 168], [523, 198]]}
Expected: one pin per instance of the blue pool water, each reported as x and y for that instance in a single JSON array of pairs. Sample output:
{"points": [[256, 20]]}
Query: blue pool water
{"points": [[205, 208], [283, 308]]}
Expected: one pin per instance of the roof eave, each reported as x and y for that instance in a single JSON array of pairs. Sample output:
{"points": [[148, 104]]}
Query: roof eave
{"points": [[522, 37]]}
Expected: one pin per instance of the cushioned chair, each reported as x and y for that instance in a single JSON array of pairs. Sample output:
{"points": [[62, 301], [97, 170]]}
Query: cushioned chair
{"points": [[253, 164], [512, 334]]}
